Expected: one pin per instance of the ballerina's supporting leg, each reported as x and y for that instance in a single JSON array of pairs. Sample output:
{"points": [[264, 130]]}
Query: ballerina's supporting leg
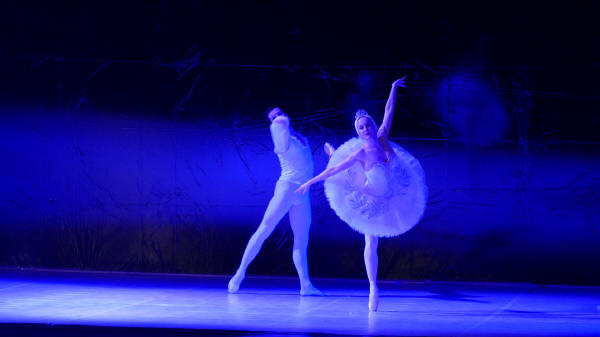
{"points": [[371, 262], [278, 206]]}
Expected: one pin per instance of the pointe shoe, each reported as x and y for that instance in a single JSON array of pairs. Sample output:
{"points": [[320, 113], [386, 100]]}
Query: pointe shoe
{"points": [[373, 299], [310, 290], [328, 149], [234, 284]]}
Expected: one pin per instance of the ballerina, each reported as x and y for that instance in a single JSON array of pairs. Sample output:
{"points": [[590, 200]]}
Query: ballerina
{"points": [[374, 185], [296, 161]]}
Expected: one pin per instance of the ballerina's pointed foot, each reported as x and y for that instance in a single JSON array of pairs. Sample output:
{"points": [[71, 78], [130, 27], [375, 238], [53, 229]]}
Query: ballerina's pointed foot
{"points": [[234, 283], [328, 149], [373, 299], [310, 290]]}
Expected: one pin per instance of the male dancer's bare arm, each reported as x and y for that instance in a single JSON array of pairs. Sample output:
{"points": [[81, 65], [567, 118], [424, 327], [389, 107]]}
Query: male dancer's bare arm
{"points": [[280, 133]]}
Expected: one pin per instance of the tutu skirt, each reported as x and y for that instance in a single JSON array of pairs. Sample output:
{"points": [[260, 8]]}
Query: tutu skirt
{"points": [[387, 214]]}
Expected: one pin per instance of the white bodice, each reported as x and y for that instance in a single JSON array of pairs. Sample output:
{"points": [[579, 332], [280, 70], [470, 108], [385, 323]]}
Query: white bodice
{"points": [[378, 179]]}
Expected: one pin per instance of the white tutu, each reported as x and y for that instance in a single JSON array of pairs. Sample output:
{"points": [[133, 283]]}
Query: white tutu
{"points": [[390, 211]]}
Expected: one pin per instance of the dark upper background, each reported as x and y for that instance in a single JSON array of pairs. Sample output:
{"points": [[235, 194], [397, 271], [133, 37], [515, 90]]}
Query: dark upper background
{"points": [[144, 56], [503, 33]]}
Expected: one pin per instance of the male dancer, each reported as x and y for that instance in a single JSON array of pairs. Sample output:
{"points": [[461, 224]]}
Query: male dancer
{"points": [[296, 162]]}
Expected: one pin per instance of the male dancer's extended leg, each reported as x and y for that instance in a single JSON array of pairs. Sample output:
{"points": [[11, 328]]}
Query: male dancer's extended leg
{"points": [[371, 261], [300, 220], [279, 205]]}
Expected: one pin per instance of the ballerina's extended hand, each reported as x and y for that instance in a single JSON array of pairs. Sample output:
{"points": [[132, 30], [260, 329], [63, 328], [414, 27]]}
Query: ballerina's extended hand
{"points": [[303, 188], [399, 82]]}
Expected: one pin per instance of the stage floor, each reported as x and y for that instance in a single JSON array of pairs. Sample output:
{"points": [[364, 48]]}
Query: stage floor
{"points": [[42, 301]]}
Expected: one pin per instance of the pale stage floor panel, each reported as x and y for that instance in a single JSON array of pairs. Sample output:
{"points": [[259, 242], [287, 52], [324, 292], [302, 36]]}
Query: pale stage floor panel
{"points": [[272, 305]]}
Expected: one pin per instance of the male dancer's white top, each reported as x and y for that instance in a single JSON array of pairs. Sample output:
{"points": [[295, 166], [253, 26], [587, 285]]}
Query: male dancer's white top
{"points": [[295, 156]]}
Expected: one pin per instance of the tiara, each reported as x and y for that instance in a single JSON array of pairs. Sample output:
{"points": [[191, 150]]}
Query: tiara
{"points": [[360, 114]]}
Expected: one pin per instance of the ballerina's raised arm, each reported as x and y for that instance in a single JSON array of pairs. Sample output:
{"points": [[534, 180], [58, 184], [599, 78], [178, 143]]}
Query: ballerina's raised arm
{"points": [[386, 125]]}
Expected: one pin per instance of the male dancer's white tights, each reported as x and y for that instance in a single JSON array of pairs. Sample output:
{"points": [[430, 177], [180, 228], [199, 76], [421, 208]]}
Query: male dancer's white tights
{"points": [[284, 200]]}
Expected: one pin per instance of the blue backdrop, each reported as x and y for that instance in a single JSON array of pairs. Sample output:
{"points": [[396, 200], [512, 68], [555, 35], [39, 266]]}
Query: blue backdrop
{"points": [[141, 142]]}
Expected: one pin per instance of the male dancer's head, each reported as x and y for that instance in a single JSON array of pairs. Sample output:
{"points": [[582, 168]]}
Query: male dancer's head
{"points": [[274, 113]]}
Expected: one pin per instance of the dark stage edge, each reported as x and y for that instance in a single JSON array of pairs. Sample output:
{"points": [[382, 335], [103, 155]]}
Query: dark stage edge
{"points": [[81, 303]]}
